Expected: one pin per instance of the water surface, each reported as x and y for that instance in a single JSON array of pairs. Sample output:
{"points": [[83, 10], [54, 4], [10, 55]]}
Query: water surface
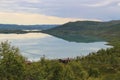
{"points": [[35, 45]]}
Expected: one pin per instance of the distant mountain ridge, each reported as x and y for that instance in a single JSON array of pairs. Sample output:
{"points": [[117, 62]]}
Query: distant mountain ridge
{"points": [[86, 28], [25, 27], [13, 28]]}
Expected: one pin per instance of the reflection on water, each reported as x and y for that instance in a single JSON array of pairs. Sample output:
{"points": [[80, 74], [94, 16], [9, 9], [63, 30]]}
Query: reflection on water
{"points": [[35, 45], [22, 36]]}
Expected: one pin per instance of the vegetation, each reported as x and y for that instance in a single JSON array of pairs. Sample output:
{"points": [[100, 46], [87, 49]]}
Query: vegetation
{"points": [[86, 31], [12, 28], [104, 64], [101, 65]]}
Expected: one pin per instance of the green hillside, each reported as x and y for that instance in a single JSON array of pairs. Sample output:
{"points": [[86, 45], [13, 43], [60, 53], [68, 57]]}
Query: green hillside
{"points": [[97, 30]]}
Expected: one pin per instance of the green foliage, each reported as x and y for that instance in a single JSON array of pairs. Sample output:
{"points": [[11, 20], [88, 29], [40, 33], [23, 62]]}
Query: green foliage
{"points": [[102, 65], [86, 31], [11, 63]]}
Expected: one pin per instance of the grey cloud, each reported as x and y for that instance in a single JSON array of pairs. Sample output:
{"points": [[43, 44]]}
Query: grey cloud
{"points": [[99, 9]]}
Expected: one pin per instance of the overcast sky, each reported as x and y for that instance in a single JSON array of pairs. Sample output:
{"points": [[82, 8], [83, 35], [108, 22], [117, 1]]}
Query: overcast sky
{"points": [[57, 11]]}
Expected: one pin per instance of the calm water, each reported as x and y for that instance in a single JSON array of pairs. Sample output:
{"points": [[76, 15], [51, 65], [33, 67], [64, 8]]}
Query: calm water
{"points": [[35, 45]]}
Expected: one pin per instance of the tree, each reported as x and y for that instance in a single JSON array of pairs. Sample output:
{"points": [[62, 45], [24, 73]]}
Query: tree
{"points": [[11, 62]]}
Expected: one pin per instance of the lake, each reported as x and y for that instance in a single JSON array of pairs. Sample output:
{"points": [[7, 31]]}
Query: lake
{"points": [[35, 45]]}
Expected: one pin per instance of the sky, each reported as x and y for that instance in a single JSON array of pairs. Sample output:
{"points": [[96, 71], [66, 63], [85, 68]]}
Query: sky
{"points": [[57, 11]]}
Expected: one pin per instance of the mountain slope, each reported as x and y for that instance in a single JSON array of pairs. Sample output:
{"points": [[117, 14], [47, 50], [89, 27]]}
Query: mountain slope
{"points": [[86, 29]]}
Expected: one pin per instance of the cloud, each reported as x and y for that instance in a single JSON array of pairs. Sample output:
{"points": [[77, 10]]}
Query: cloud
{"points": [[118, 4], [101, 3], [32, 1], [82, 9], [98, 4], [28, 18]]}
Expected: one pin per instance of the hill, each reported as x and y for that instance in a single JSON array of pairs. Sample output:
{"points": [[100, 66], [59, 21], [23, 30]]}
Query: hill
{"points": [[72, 30], [13, 28]]}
